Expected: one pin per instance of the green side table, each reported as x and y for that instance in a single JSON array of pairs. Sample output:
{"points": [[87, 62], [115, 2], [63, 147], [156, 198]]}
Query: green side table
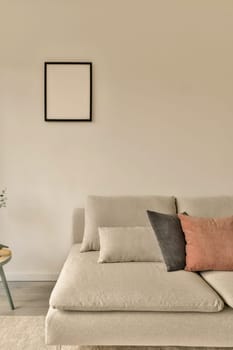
{"points": [[4, 260]]}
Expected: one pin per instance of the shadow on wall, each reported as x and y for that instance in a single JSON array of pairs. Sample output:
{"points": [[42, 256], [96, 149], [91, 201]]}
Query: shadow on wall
{"points": [[78, 225]]}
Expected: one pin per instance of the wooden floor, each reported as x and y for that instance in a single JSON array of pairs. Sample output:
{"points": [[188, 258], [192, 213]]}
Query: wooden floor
{"points": [[30, 298]]}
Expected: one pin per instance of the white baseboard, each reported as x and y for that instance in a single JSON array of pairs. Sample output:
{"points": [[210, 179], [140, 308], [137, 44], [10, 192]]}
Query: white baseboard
{"points": [[11, 276]]}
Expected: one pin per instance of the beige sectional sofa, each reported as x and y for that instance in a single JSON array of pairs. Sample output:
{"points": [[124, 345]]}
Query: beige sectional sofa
{"points": [[139, 303]]}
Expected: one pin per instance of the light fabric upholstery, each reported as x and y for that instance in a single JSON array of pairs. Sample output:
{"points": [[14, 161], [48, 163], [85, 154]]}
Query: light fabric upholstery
{"points": [[85, 285], [206, 206], [120, 211], [222, 282], [140, 328], [124, 244]]}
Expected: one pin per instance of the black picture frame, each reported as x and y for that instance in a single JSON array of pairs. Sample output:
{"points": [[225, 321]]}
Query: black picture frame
{"points": [[47, 118]]}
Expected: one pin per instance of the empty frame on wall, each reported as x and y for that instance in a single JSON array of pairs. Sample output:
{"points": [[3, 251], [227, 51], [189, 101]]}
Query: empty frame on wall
{"points": [[68, 91]]}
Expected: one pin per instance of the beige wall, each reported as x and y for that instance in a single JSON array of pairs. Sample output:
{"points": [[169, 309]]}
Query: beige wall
{"points": [[163, 112]]}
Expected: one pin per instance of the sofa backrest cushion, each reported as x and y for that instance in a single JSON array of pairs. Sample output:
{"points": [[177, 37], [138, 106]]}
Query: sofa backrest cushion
{"points": [[120, 211], [215, 207]]}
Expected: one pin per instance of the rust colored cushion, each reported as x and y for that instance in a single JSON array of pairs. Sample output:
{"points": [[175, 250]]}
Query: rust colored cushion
{"points": [[209, 243]]}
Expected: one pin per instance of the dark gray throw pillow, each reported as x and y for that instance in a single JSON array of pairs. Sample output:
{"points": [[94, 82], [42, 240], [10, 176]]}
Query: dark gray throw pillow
{"points": [[171, 239]]}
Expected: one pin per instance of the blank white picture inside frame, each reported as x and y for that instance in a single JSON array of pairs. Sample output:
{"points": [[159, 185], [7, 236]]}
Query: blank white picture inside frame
{"points": [[68, 91]]}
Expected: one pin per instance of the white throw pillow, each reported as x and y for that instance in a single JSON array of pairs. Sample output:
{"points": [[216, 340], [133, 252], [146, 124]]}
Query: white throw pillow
{"points": [[124, 244]]}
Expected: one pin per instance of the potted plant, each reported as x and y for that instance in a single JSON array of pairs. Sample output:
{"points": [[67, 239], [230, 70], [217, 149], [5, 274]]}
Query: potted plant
{"points": [[3, 199]]}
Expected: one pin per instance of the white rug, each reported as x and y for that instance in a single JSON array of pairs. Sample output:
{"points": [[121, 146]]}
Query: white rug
{"points": [[22, 333], [27, 333]]}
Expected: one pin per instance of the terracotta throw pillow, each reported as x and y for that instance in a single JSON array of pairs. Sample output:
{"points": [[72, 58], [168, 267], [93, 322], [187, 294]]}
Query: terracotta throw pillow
{"points": [[209, 243]]}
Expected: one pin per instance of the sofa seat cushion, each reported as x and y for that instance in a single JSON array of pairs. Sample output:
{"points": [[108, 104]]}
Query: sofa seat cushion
{"points": [[222, 282], [85, 285], [157, 329]]}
